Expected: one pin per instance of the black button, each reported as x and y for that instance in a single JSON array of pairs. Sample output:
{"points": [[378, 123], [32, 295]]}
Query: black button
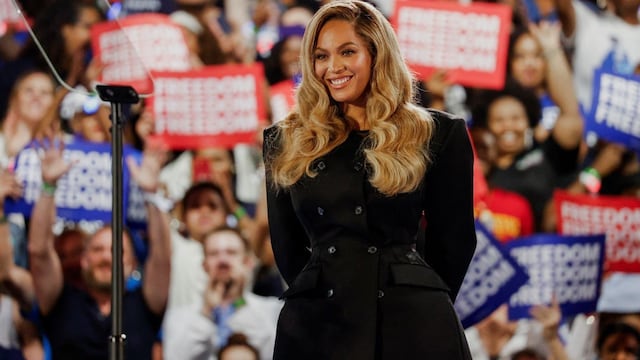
{"points": [[357, 166], [380, 294], [321, 165], [372, 250], [330, 293], [358, 210], [331, 249], [320, 211]]}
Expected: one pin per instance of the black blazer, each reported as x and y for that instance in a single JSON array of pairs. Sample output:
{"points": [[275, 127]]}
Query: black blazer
{"points": [[362, 283]]}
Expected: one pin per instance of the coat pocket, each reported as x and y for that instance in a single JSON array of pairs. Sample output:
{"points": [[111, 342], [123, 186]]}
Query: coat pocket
{"points": [[305, 282], [417, 275]]}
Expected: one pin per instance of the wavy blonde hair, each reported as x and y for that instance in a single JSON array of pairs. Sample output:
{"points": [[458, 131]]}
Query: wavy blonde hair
{"points": [[399, 130]]}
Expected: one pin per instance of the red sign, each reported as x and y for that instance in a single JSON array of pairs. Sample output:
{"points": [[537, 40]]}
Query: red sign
{"points": [[282, 99], [616, 216], [130, 48], [469, 41], [215, 106]]}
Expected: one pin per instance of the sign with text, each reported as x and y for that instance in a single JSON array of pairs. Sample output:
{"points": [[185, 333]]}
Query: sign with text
{"points": [[84, 193], [215, 106], [567, 267], [129, 48], [615, 114], [469, 41], [493, 276], [616, 216]]}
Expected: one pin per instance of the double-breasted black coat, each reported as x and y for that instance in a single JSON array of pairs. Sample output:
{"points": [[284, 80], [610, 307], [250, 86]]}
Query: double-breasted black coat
{"points": [[362, 283]]}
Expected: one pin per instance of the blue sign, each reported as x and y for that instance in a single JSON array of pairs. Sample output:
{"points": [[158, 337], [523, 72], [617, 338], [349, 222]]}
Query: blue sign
{"points": [[84, 193], [615, 109], [567, 267], [493, 276]]}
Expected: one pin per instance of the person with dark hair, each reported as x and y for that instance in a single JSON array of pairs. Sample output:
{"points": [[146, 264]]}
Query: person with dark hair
{"points": [[201, 210], [238, 348], [538, 62], [63, 30], [618, 341], [523, 165], [350, 173], [226, 306]]}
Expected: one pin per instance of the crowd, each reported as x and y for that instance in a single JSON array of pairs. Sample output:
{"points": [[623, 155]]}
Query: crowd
{"points": [[200, 280]]}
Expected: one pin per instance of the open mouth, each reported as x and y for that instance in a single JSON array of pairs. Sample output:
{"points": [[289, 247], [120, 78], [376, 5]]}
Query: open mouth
{"points": [[340, 81]]}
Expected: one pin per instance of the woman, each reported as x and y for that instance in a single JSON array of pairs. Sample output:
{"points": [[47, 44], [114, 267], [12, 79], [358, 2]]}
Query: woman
{"points": [[537, 61], [63, 28], [349, 174], [30, 102], [523, 165]]}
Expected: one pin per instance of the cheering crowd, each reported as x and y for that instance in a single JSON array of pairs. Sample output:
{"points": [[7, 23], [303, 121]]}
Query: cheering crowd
{"points": [[200, 277]]}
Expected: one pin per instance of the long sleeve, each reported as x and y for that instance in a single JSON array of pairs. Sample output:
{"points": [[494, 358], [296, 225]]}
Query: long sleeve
{"points": [[288, 238], [450, 238], [187, 334]]}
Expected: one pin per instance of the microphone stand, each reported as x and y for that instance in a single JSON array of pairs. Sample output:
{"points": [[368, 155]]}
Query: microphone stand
{"points": [[117, 95]]}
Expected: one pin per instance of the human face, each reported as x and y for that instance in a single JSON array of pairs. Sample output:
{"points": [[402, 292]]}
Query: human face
{"points": [[225, 257], [507, 121], [77, 35], [92, 127], [620, 347], [290, 58], [343, 63], [527, 65], [33, 98], [204, 213], [96, 260]]}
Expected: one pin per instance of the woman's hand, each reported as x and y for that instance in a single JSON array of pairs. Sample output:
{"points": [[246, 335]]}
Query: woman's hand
{"points": [[52, 163]]}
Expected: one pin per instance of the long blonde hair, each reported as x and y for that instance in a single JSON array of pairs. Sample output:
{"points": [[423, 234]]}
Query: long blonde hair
{"points": [[398, 153]]}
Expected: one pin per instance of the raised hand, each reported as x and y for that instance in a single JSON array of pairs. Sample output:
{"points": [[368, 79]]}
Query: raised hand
{"points": [[147, 174], [52, 163], [548, 34], [549, 317]]}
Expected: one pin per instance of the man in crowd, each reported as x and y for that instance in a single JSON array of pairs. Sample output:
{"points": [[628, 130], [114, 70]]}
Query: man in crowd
{"points": [[77, 321], [199, 330]]}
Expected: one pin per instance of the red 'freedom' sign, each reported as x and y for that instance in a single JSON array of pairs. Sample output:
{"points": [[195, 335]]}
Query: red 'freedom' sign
{"points": [[130, 48], [616, 216], [215, 106], [469, 41]]}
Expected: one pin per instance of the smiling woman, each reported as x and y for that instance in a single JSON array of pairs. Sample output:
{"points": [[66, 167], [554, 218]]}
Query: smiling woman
{"points": [[349, 174], [342, 61]]}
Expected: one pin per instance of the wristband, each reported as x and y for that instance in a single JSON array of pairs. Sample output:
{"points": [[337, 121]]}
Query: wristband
{"points": [[48, 189], [590, 178], [240, 212]]}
